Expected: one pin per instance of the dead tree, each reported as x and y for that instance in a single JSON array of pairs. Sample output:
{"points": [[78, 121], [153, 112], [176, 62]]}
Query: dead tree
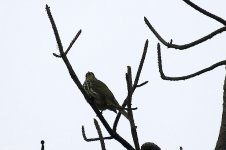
{"points": [[221, 142], [131, 87]]}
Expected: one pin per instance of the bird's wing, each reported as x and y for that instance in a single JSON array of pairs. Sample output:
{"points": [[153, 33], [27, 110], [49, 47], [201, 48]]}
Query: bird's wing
{"points": [[102, 89]]}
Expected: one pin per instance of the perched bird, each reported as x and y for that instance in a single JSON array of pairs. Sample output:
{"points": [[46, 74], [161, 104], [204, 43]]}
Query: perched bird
{"points": [[103, 97]]}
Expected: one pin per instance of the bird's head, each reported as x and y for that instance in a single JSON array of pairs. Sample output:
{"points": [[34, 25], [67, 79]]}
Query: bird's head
{"points": [[90, 76]]}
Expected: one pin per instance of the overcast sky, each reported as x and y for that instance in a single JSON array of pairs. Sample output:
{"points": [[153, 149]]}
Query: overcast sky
{"points": [[39, 101]]}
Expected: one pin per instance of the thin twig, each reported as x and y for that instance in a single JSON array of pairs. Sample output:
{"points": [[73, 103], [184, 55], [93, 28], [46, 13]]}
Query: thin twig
{"points": [[73, 41], [92, 139], [205, 12], [135, 83], [185, 46], [100, 135], [130, 112], [140, 66], [74, 77], [123, 108], [164, 77], [142, 84]]}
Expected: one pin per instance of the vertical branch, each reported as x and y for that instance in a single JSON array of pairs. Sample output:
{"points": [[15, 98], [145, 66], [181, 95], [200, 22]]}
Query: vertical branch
{"points": [[130, 112], [100, 135], [221, 142], [135, 82], [42, 142]]}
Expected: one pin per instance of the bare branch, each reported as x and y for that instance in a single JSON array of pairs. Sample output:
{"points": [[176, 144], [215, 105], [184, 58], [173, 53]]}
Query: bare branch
{"points": [[205, 12], [100, 135], [71, 44], [164, 77], [185, 46], [142, 84], [73, 41], [56, 55], [74, 77], [55, 30], [140, 65], [43, 147], [93, 139], [130, 112], [135, 83]]}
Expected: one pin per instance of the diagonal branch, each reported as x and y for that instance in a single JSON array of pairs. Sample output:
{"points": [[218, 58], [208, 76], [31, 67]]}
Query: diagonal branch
{"points": [[185, 46], [74, 77], [100, 135], [205, 12], [164, 77], [140, 66], [135, 83]]}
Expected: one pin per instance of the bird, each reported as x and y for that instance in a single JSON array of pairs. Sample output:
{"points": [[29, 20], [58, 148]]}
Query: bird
{"points": [[101, 94]]}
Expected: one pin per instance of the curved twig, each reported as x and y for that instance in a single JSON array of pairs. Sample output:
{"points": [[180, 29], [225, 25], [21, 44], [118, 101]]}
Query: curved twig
{"points": [[92, 139], [185, 46], [74, 77], [205, 12], [164, 77]]}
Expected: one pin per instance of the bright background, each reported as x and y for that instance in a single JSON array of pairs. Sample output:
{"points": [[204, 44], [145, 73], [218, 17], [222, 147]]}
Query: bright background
{"points": [[39, 101]]}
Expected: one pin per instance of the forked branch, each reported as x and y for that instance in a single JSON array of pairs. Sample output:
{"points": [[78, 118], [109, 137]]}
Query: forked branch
{"points": [[93, 139], [196, 42], [135, 84], [184, 46]]}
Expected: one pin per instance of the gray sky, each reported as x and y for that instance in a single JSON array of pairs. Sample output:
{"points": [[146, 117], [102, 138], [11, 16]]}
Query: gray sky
{"points": [[38, 99]]}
